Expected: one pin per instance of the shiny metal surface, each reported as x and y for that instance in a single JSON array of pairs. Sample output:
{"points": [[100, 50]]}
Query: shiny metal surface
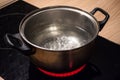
{"points": [[59, 29], [62, 36]]}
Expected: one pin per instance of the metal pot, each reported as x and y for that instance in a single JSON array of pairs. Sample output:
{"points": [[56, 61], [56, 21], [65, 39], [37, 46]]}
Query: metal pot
{"points": [[61, 36]]}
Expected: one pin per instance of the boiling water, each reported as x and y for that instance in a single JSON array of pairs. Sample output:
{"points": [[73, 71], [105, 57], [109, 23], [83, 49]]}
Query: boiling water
{"points": [[63, 39], [62, 43]]}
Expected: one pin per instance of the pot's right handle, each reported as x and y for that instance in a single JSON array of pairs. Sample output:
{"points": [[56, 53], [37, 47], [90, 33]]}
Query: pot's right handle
{"points": [[103, 22]]}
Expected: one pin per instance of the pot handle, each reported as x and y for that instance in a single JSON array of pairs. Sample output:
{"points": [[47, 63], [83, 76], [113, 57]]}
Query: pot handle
{"points": [[103, 22], [15, 41]]}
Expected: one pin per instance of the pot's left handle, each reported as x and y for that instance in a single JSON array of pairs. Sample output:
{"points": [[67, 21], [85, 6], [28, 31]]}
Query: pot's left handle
{"points": [[103, 22], [15, 41]]}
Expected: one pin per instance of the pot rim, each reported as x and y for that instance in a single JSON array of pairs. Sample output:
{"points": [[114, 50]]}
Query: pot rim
{"points": [[38, 11]]}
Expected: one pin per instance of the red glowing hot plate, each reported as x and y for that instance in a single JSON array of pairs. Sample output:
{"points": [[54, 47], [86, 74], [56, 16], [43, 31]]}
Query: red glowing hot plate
{"points": [[67, 74]]}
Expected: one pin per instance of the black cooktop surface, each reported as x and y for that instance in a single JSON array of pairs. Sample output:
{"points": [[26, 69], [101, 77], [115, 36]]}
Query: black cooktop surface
{"points": [[104, 64]]}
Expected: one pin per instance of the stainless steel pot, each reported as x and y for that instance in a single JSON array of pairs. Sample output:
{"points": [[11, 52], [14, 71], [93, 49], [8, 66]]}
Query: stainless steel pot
{"points": [[61, 36]]}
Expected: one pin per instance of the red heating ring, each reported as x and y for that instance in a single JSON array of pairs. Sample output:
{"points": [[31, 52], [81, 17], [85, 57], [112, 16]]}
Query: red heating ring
{"points": [[67, 74]]}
